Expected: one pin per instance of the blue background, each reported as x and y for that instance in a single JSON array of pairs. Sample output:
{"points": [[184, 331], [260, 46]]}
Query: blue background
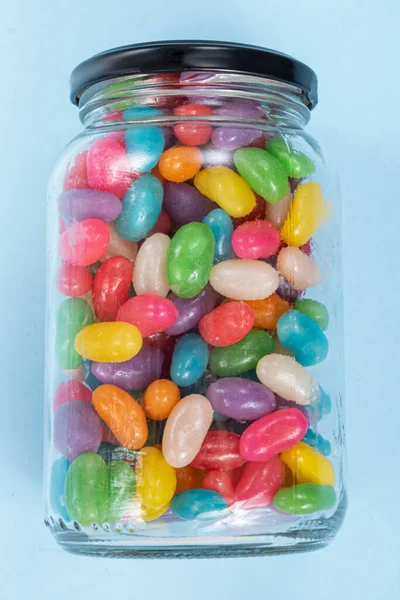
{"points": [[354, 47]]}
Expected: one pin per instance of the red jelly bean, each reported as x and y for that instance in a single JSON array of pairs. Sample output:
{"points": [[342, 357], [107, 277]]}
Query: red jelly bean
{"points": [[76, 173], [219, 451], [84, 242], [149, 312], [108, 166], [165, 343], [272, 434], [227, 324], [71, 390], [257, 213], [259, 483], [256, 239], [220, 481], [163, 224], [73, 280], [193, 134], [111, 286]]}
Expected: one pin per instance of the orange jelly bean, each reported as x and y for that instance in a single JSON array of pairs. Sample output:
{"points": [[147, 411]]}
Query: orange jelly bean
{"points": [[123, 415], [180, 163], [160, 398], [188, 478], [268, 311]]}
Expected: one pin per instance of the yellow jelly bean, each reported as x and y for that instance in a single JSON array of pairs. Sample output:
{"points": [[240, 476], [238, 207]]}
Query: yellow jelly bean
{"points": [[308, 466], [227, 189], [150, 514], [109, 342], [155, 478], [308, 211]]}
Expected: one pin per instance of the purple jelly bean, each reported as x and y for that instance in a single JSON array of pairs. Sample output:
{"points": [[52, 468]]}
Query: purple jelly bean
{"points": [[134, 374], [232, 138], [184, 204], [241, 399], [241, 109], [78, 205], [77, 429], [191, 310], [286, 291]]}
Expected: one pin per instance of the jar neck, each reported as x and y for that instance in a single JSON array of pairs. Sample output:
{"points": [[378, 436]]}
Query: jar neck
{"points": [[275, 104]]}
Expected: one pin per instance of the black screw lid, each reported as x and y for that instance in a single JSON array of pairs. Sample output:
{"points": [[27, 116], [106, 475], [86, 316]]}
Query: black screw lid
{"points": [[187, 55]]}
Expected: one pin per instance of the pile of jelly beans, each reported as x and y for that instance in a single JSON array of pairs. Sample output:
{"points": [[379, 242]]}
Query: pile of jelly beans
{"points": [[185, 259]]}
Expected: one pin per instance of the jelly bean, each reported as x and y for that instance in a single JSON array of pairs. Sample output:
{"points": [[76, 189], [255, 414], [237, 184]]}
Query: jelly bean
{"points": [[191, 310], [270, 435], [184, 204], [231, 138], [73, 280], [108, 168], [109, 342], [244, 279], [263, 172], [150, 273], [297, 164], [119, 247], [220, 481], [192, 133], [219, 451], [86, 489], [56, 493], [286, 291], [259, 483], [189, 360], [305, 498], [149, 312], [163, 224], [79, 205], [180, 163], [216, 158], [111, 286], [71, 390], [221, 225], [308, 465], [121, 489], [84, 242], [187, 478], [134, 374], [256, 239], [300, 270], [186, 429], [256, 214], [315, 310], [160, 398], [123, 415], [316, 440], [198, 504], [227, 324], [77, 374], [156, 479], [190, 259], [303, 337], [76, 174], [73, 315], [150, 514], [286, 377], [307, 212], [242, 356], [277, 213], [77, 429], [141, 206], [268, 311], [225, 187], [144, 144], [166, 344], [240, 399]]}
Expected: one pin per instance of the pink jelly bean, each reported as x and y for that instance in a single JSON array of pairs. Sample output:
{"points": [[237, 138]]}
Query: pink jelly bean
{"points": [[256, 239], [76, 173], [84, 242], [259, 483], [108, 166], [150, 313], [163, 224], [71, 390], [272, 434], [73, 280], [227, 324], [111, 287]]}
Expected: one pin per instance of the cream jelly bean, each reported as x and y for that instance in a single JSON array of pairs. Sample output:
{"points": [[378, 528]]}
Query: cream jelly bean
{"points": [[244, 279], [150, 272]]}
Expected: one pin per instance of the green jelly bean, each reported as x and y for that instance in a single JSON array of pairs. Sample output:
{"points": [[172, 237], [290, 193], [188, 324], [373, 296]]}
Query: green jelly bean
{"points": [[73, 315], [86, 489], [190, 259], [122, 486], [297, 164], [315, 310], [305, 498], [243, 356], [95, 267], [263, 172]]}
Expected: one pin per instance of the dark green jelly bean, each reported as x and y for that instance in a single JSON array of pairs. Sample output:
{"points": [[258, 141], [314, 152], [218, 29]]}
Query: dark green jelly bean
{"points": [[122, 486], [297, 164], [73, 315], [263, 172], [86, 489], [305, 498], [93, 268], [243, 356], [315, 310]]}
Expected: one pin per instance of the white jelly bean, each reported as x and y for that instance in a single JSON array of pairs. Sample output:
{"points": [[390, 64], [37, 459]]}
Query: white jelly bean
{"points": [[244, 279], [149, 273], [286, 377], [300, 270]]}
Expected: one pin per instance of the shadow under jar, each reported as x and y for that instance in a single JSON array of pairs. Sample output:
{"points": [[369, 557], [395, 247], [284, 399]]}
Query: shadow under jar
{"points": [[194, 363]]}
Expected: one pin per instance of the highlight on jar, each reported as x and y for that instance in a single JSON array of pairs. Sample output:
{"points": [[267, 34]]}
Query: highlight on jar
{"points": [[194, 360]]}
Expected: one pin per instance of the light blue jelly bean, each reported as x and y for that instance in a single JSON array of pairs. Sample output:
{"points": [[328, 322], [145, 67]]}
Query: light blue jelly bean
{"points": [[189, 360], [303, 336], [320, 408], [144, 144], [198, 504], [318, 442], [57, 477], [141, 207], [221, 225]]}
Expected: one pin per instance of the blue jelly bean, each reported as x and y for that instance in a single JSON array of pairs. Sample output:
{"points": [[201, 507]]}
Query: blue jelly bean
{"points": [[56, 494], [90, 380], [143, 144], [320, 408], [141, 207], [302, 336], [317, 441], [221, 225], [189, 360], [198, 504]]}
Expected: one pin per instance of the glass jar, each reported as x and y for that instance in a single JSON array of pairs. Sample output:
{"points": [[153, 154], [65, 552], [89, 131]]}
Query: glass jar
{"points": [[194, 365]]}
